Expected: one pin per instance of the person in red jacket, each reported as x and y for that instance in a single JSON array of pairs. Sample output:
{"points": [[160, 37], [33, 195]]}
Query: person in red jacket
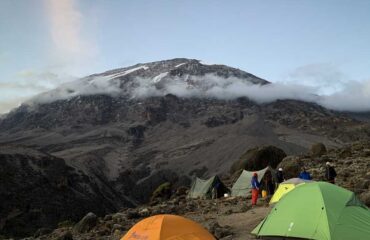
{"points": [[255, 188]]}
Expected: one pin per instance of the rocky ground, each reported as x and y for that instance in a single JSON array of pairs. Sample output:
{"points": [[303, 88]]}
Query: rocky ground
{"points": [[226, 218], [352, 164], [230, 218]]}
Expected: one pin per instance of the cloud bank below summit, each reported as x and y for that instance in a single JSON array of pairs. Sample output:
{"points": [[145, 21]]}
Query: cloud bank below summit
{"points": [[353, 97]]}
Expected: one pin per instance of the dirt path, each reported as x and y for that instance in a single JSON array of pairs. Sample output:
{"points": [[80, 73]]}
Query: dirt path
{"points": [[243, 223]]}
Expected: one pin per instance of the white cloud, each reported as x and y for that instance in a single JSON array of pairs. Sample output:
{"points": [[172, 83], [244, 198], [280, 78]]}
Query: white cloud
{"points": [[66, 31], [354, 97], [80, 87], [221, 88], [8, 104], [326, 77], [26, 84]]}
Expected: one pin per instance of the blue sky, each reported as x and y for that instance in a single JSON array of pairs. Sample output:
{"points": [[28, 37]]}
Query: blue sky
{"points": [[319, 43]]}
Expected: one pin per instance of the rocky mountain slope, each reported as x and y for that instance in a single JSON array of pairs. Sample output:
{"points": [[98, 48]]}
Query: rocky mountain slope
{"points": [[40, 188], [129, 130], [226, 218]]}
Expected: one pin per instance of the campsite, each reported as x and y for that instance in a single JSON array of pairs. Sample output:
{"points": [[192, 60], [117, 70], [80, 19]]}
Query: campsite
{"points": [[298, 209]]}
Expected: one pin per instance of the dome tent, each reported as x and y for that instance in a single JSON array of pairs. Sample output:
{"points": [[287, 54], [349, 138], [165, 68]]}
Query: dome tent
{"points": [[167, 227], [202, 188], [286, 187], [318, 210], [242, 187]]}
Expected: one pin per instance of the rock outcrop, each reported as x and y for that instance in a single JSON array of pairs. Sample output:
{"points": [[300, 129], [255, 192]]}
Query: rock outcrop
{"points": [[259, 158], [292, 166], [318, 149]]}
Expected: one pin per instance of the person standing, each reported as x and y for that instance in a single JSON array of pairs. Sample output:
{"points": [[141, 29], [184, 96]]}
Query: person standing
{"points": [[255, 189], [305, 175], [280, 176], [330, 173], [270, 184], [215, 190]]}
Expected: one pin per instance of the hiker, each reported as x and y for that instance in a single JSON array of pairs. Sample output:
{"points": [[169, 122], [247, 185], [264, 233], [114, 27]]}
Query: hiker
{"points": [[215, 190], [255, 188], [330, 173], [305, 175], [269, 183], [280, 176]]}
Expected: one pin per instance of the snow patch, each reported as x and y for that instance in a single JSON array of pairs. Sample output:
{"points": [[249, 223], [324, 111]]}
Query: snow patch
{"points": [[159, 77], [121, 74], [179, 65]]}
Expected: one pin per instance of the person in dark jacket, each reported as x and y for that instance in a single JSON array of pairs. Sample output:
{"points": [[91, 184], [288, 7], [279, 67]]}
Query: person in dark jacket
{"points": [[305, 175], [280, 176], [330, 173], [255, 188]]}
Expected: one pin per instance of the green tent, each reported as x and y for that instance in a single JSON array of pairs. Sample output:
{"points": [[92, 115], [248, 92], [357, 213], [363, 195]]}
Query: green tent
{"points": [[242, 187], [319, 210], [201, 188]]}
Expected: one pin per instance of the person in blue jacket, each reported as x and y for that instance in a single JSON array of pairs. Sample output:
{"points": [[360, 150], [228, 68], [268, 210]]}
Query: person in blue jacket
{"points": [[305, 175]]}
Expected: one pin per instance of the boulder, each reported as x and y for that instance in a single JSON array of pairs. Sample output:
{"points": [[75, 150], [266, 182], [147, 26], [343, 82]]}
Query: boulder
{"points": [[144, 212], [86, 223], [291, 166], [259, 158], [118, 217], [318, 149], [219, 231]]}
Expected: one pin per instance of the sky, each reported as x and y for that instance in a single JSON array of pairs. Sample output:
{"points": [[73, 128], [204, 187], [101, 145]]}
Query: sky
{"points": [[322, 44]]}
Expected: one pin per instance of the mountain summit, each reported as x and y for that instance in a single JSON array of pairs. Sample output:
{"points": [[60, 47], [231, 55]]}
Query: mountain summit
{"points": [[182, 77]]}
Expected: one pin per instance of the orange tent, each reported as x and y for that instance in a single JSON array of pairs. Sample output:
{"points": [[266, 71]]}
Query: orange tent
{"points": [[167, 227]]}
